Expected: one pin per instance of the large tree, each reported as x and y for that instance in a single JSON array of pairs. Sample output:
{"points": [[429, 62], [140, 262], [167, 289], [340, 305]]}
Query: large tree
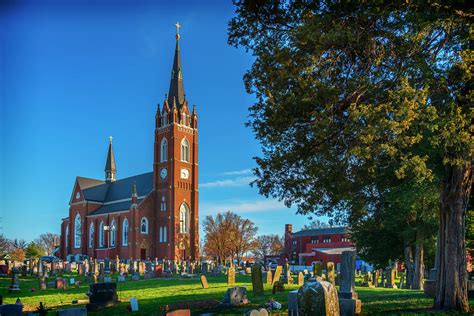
{"points": [[228, 236], [353, 98]]}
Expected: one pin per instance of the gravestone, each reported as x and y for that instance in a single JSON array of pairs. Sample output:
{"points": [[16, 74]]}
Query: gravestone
{"points": [[135, 276], [258, 312], [349, 303], [120, 278], [102, 295], [231, 276], [11, 310], [278, 272], [300, 279], [257, 280], [317, 269], [402, 281], [134, 304], [235, 296], [15, 285], [42, 282], [59, 283], [293, 302], [205, 268], [158, 271], [204, 283], [107, 279], [269, 277], [179, 312], [390, 279], [331, 278], [289, 277], [376, 278], [318, 298]]}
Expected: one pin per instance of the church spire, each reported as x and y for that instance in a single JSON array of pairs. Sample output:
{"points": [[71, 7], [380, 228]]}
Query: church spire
{"points": [[110, 170], [176, 84]]}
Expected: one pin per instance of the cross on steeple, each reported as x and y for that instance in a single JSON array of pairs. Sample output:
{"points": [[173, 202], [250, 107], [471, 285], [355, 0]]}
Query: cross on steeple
{"points": [[176, 91], [178, 26]]}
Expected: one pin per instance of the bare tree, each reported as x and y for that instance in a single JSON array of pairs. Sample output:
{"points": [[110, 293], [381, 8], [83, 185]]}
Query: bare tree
{"points": [[5, 244], [19, 244], [48, 242], [268, 245], [316, 224]]}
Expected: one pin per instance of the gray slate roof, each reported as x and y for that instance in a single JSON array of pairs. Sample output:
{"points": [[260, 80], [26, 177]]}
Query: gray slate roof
{"points": [[322, 231], [114, 207], [120, 189]]}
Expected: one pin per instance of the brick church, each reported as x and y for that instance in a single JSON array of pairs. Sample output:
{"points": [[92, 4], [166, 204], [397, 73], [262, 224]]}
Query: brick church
{"points": [[151, 215]]}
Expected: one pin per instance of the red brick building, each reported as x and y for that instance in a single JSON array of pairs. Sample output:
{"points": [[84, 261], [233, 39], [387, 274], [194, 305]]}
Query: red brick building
{"points": [[323, 244], [149, 215]]}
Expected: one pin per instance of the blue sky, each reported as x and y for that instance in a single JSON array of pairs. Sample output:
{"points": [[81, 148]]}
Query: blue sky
{"points": [[71, 75]]}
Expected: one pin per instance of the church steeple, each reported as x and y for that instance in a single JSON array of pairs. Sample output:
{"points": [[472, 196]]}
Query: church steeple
{"points": [[176, 84], [110, 170]]}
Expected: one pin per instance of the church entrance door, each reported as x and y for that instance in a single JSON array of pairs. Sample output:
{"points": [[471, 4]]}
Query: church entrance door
{"points": [[142, 254]]}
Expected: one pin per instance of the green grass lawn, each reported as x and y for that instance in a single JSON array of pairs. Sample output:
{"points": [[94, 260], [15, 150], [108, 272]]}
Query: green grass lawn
{"points": [[155, 293]]}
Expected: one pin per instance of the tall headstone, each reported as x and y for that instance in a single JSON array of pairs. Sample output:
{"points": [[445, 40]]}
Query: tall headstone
{"points": [[269, 277], [300, 279], [348, 300], [278, 271], [390, 282], [204, 283], [257, 279], [318, 298], [231, 276], [15, 285], [331, 277]]}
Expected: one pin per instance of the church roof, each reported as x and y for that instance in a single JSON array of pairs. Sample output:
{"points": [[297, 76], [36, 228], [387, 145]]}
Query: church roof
{"points": [[114, 192], [85, 183], [114, 207], [322, 231]]}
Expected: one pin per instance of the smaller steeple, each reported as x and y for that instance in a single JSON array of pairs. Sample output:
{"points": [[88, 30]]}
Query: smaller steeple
{"points": [[110, 170]]}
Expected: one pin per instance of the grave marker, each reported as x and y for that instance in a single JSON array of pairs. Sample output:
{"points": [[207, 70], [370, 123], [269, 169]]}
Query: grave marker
{"points": [[231, 276], [300, 279], [257, 279], [204, 283], [269, 277], [278, 271]]}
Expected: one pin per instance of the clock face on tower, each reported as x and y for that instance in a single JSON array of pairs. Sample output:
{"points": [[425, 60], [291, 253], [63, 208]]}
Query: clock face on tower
{"points": [[163, 173], [184, 173]]}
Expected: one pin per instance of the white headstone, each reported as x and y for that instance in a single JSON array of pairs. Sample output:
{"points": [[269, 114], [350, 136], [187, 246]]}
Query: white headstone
{"points": [[71, 281], [134, 304]]}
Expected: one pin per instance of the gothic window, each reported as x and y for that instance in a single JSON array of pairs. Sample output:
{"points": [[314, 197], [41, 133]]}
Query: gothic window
{"points": [[164, 150], [165, 236], [67, 236], [165, 119], [183, 218], [183, 119], [77, 231], [144, 225], [91, 235], [101, 234], [113, 233], [125, 232], [185, 150], [163, 204], [161, 234]]}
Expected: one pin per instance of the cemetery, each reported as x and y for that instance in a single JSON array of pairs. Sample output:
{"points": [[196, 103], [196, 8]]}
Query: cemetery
{"points": [[159, 288]]}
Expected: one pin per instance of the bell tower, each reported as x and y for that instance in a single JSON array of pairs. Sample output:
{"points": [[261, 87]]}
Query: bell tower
{"points": [[175, 171]]}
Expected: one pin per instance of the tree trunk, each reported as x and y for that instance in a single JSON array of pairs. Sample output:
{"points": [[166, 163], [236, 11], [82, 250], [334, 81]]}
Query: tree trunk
{"points": [[409, 265], [451, 285], [419, 264]]}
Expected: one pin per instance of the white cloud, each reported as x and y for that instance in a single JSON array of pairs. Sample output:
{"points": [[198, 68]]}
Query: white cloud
{"points": [[242, 206], [236, 182], [238, 172]]}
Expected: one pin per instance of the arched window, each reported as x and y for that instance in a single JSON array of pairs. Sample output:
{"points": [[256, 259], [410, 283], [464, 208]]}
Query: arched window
{"points": [[164, 150], [165, 119], [163, 204], [144, 225], [77, 231], [161, 234], [101, 234], [125, 232], [185, 150], [183, 119], [113, 233], [183, 218], [165, 236], [91, 235]]}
